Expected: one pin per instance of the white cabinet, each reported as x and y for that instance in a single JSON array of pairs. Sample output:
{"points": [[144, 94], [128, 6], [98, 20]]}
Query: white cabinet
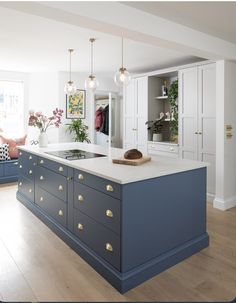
{"points": [[135, 114], [197, 117]]}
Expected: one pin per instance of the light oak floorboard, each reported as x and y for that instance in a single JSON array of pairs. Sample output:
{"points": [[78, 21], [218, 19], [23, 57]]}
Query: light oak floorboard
{"points": [[35, 265]]}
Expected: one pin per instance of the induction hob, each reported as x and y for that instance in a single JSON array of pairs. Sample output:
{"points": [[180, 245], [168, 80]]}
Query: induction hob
{"points": [[74, 154]]}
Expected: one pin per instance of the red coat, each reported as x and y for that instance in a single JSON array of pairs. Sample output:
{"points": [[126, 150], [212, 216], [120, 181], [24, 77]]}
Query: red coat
{"points": [[98, 118]]}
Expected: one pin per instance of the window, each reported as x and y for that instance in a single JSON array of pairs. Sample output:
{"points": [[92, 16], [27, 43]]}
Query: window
{"points": [[12, 107]]}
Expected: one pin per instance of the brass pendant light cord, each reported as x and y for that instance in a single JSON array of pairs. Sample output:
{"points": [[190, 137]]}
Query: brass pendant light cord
{"points": [[92, 40], [122, 52]]}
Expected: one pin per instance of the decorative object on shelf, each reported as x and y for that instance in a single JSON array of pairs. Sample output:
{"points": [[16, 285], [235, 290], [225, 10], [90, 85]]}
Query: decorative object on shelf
{"points": [[75, 105], [70, 87], [37, 119], [91, 83], [79, 129], [162, 115], [167, 115], [122, 76], [156, 127], [133, 154], [173, 99], [164, 89]]}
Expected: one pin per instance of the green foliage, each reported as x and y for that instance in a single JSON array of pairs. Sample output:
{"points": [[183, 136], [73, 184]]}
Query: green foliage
{"points": [[155, 126], [173, 99], [79, 129]]}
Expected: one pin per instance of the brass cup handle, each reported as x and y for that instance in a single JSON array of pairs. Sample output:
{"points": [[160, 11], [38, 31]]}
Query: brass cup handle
{"points": [[60, 188], [61, 169], [20, 166], [80, 226], [109, 213], [30, 172], [80, 198], [30, 157], [60, 213], [41, 178], [109, 188], [80, 177], [20, 183], [109, 247], [20, 153]]}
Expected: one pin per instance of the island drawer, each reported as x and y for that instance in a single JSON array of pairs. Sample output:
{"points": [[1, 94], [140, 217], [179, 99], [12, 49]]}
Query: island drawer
{"points": [[100, 239], [27, 158], [26, 187], [52, 182], [108, 187], [52, 165], [97, 205], [11, 168], [26, 168], [53, 206]]}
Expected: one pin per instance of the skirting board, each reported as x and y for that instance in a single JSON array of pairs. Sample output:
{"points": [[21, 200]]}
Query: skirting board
{"points": [[121, 281], [224, 204], [210, 198]]}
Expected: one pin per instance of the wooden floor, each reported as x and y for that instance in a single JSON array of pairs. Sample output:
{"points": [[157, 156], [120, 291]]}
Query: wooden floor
{"points": [[35, 265]]}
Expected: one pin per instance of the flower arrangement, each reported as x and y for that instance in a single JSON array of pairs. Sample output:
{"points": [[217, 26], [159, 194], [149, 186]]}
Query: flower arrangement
{"points": [[37, 119]]}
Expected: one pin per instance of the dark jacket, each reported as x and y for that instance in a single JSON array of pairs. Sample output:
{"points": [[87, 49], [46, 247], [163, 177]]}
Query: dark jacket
{"points": [[105, 123]]}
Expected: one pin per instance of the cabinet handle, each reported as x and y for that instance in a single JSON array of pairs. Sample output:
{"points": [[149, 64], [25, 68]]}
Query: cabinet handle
{"points": [[41, 178], [30, 190], [20, 166], [16, 163], [135, 129], [109, 213], [196, 133], [30, 172], [80, 198], [20, 153], [172, 149], [20, 183], [41, 199], [60, 213], [61, 168], [80, 177], [200, 133], [41, 161], [109, 247], [109, 188], [80, 226], [30, 157], [60, 188]]}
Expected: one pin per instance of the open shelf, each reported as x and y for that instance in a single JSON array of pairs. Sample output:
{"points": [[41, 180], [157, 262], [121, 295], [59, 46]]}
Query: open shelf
{"points": [[162, 97]]}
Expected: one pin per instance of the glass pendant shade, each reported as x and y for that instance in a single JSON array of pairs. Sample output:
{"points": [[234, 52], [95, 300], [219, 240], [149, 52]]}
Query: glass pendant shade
{"points": [[122, 77], [91, 83], [70, 88]]}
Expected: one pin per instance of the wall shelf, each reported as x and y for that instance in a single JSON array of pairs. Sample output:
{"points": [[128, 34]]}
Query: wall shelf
{"points": [[162, 97]]}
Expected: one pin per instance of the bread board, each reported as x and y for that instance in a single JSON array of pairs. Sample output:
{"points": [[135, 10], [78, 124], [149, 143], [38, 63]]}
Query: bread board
{"points": [[134, 162]]}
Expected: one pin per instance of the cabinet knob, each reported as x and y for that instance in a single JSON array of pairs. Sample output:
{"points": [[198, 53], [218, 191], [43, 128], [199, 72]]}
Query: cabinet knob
{"points": [[109, 247], [30, 190], [30, 172], [80, 177], [30, 157], [34, 164], [80, 226], [20, 166], [41, 178], [20, 183], [20, 153], [41, 199], [16, 163], [200, 133], [60, 188], [172, 149], [196, 133], [60, 213], [80, 198], [41, 161], [109, 188], [109, 213], [61, 168]]}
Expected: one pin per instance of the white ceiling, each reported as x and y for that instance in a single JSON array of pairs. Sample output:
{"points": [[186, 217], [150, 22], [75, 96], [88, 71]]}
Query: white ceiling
{"points": [[31, 43], [217, 18]]}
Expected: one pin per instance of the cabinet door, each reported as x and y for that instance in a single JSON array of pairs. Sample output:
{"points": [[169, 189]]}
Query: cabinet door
{"points": [[207, 121], [129, 123], [188, 84], [141, 105]]}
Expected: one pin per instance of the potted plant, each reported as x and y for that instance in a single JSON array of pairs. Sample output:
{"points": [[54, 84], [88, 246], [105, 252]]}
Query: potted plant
{"points": [[79, 129], [173, 99], [155, 127]]}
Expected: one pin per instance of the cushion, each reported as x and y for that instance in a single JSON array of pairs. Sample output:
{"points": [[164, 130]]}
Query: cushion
{"points": [[13, 143], [4, 152]]}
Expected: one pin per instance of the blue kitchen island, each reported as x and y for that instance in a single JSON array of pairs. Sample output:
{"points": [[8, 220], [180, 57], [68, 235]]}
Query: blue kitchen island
{"points": [[129, 223]]}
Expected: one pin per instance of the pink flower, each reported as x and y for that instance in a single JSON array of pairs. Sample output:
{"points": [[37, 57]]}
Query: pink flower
{"points": [[38, 114]]}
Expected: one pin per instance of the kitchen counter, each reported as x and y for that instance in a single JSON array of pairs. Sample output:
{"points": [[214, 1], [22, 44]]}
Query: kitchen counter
{"points": [[123, 174]]}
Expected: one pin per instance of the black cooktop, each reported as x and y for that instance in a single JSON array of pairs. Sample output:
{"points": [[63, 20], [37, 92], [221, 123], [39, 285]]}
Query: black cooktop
{"points": [[74, 154]]}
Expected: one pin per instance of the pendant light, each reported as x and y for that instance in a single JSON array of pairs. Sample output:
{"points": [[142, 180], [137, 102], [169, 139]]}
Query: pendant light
{"points": [[122, 76], [91, 83], [70, 87]]}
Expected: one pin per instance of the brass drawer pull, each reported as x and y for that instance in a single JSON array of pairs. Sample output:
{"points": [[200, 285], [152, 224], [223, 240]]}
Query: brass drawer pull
{"points": [[80, 226], [20, 153], [20, 183], [61, 168], [109, 188], [41, 199], [30, 172], [80, 177], [30, 190], [30, 157], [41, 161], [20, 166], [109, 247], [60, 213], [80, 198], [41, 178], [60, 188], [109, 213]]}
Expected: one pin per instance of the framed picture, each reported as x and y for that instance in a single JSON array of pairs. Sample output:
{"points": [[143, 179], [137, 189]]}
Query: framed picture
{"points": [[75, 105]]}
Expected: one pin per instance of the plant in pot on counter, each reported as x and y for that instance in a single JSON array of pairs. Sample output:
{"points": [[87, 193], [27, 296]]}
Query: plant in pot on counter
{"points": [[79, 130], [173, 99], [155, 127]]}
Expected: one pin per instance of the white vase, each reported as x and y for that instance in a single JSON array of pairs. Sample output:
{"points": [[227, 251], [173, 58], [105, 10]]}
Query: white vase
{"points": [[157, 137], [43, 139]]}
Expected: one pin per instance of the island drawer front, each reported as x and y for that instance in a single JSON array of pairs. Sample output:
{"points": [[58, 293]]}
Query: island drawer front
{"points": [[97, 205], [27, 169], [26, 187], [108, 187], [11, 168], [27, 158], [169, 148], [1, 170], [52, 165], [53, 206], [100, 239], [52, 182]]}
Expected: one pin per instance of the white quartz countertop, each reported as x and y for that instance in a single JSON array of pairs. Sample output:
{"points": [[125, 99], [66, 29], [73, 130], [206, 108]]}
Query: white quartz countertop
{"points": [[123, 174]]}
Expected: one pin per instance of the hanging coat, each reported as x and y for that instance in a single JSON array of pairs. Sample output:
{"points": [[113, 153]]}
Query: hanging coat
{"points": [[105, 124], [98, 118]]}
